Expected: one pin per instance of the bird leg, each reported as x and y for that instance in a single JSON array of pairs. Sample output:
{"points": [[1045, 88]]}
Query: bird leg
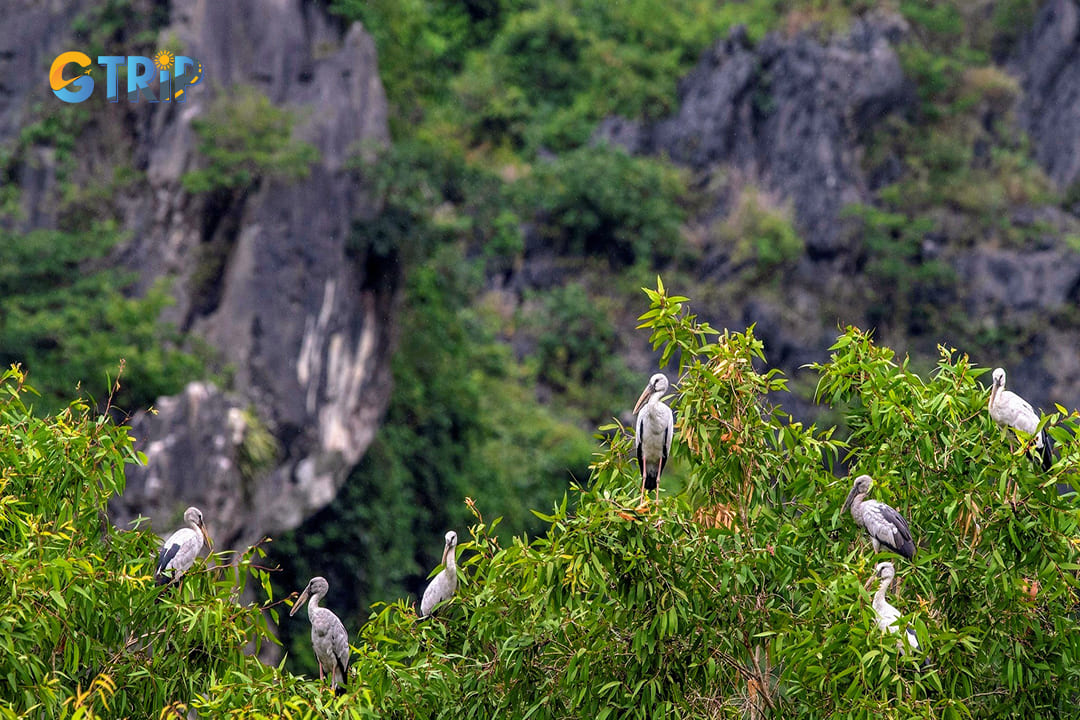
{"points": [[320, 670], [643, 501], [659, 469]]}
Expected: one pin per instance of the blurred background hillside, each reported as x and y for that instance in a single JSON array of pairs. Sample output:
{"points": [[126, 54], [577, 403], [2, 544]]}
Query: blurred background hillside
{"points": [[388, 254]]}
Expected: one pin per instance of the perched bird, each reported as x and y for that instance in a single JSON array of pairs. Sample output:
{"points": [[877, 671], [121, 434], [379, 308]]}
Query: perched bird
{"points": [[887, 615], [328, 635], [1010, 410], [183, 546], [443, 586], [888, 529], [652, 433]]}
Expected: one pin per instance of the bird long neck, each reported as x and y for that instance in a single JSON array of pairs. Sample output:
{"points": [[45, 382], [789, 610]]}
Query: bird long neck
{"points": [[883, 588], [448, 559], [313, 605]]}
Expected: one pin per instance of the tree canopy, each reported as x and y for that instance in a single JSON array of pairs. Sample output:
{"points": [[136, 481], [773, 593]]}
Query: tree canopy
{"points": [[743, 595]]}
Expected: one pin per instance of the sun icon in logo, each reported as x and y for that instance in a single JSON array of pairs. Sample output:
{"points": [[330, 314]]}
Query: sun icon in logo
{"points": [[164, 60]]}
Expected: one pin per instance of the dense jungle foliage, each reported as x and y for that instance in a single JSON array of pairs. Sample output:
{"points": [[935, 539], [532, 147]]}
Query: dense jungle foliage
{"points": [[493, 107], [742, 596]]}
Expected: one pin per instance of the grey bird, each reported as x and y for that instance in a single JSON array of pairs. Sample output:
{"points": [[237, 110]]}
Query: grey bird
{"points": [[443, 585], [887, 528], [1009, 410], [652, 433], [887, 615], [178, 553], [328, 636]]}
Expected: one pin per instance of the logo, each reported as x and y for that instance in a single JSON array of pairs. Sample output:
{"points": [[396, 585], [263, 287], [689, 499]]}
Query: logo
{"points": [[163, 78]]}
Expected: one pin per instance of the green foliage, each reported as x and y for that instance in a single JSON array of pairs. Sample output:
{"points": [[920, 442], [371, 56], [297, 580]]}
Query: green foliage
{"points": [[578, 350], [908, 288], [119, 27], [430, 196], [77, 326], [761, 236], [245, 139], [84, 631], [600, 201], [461, 423], [743, 596]]}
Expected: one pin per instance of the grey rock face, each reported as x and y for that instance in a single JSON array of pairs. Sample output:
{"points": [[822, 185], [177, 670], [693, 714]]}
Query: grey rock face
{"points": [[301, 322], [303, 325], [1048, 65], [787, 115]]}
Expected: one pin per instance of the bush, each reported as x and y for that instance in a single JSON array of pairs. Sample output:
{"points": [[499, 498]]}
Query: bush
{"points": [[245, 139], [761, 235], [600, 201], [86, 633], [75, 327]]}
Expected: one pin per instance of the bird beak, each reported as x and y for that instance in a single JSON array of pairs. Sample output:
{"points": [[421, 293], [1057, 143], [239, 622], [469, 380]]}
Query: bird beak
{"points": [[847, 503], [644, 396], [869, 581], [206, 536], [299, 602], [445, 552]]}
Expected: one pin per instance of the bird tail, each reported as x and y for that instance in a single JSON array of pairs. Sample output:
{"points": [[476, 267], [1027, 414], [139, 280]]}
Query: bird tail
{"points": [[161, 579], [1046, 452], [651, 478]]}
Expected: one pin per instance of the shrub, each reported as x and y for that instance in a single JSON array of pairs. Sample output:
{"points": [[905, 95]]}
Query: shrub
{"points": [[600, 201], [73, 326], [245, 139]]}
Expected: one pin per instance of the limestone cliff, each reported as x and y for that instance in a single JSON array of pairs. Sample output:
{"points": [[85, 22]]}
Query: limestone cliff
{"points": [[296, 318]]}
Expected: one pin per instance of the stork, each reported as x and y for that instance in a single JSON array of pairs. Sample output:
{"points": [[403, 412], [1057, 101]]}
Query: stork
{"points": [[887, 528], [443, 586], [887, 615], [178, 553], [1010, 410], [328, 636], [652, 433]]}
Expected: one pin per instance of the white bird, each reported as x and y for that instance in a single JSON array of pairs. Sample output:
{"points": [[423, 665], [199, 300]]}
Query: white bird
{"points": [[888, 616], [178, 553], [443, 586], [328, 636], [1010, 410], [887, 528], [652, 433]]}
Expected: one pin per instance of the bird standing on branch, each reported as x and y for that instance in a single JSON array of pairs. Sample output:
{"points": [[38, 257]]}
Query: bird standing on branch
{"points": [[652, 433]]}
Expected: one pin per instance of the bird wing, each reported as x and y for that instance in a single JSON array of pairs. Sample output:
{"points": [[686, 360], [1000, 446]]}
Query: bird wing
{"points": [[889, 527], [912, 638], [439, 589], [1015, 411], [341, 648], [669, 430], [179, 551], [168, 552]]}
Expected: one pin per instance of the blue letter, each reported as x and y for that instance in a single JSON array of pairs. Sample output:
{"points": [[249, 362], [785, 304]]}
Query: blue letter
{"points": [[112, 75], [186, 72], [140, 73]]}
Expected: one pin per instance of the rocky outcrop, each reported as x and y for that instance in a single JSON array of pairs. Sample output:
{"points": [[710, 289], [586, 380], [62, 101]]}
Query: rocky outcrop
{"points": [[1048, 66], [303, 324], [786, 115], [296, 316]]}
